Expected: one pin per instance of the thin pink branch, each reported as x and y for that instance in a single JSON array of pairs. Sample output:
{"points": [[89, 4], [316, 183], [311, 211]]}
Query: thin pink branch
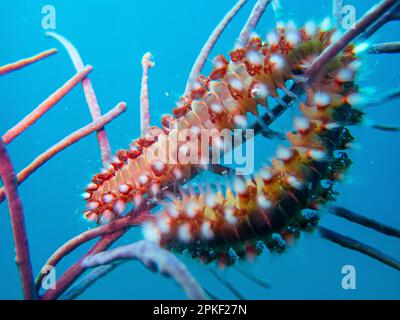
{"points": [[86, 236], [252, 22], [66, 142], [366, 21], [90, 95], [389, 16], [387, 47], [147, 63], [82, 285], [78, 268], [26, 62], [22, 256], [151, 255], [209, 45], [45, 106]]}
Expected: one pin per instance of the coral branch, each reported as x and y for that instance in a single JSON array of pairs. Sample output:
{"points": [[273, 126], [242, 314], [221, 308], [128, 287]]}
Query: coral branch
{"points": [[385, 128], [91, 99], [263, 284], [366, 21], [381, 21], [252, 22], [66, 142], [45, 106], [364, 221], [22, 256], [84, 237], [81, 286], [356, 245], [147, 63], [26, 62], [151, 256], [388, 96], [209, 45], [228, 285], [68, 278], [388, 47]]}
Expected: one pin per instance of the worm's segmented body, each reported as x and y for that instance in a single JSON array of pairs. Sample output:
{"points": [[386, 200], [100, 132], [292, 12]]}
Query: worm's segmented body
{"points": [[269, 207], [280, 201]]}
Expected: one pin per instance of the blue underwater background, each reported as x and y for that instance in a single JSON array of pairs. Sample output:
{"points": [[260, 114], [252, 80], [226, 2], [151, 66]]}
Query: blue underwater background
{"points": [[112, 36]]}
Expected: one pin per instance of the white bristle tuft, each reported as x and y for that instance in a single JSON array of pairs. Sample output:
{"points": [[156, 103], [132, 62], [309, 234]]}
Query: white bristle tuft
{"points": [[195, 85], [108, 198], [195, 130], [119, 206], [211, 199], [138, 200], [164, 224], [255, 58], [311, 28], [192, 209], [345, 75], [355, 65], [259, 91], [240, 121], [218, 143], [295, 182], [184, 233], [253, 35], [115, 159], [302, 124], [284, 153], [159, 166], [266, 174], [107, 216], [280, 25], [183, 149], [322, 99], [355, 99], [178, 174], [216, 108], [206, 230], [91, 216], [230, 217], [143, 179], [272, 38], [86, 195], [155, 188], [151, 233], [317, 155], [326, 24], [277, 61], [264, 202], [93, 205], [361, 47], [123, 188], [236, 84], [218, 64], [332, 125], [173, 211], [240, 186], [293, 37], [91, 186]]}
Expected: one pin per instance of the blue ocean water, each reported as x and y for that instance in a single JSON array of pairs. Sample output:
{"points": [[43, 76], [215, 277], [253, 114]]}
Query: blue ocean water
{"points": [[112, 36]]}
